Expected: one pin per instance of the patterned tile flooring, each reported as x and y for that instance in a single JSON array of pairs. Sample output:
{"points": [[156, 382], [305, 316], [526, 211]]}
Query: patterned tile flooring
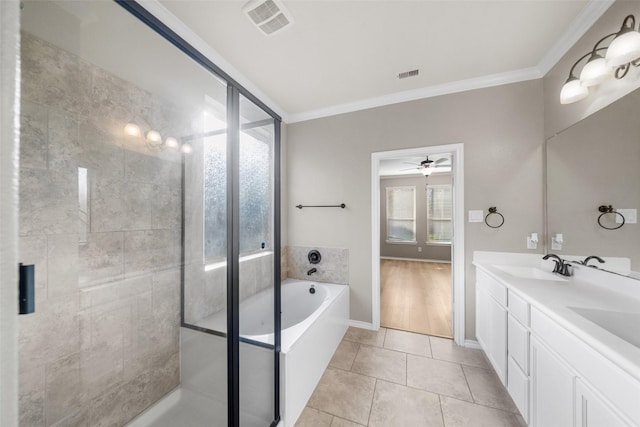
{"points": [[391, 378]]}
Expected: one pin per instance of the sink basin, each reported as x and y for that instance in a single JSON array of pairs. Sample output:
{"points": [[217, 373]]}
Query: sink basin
{"points": [[530, 273], [621, 324]]}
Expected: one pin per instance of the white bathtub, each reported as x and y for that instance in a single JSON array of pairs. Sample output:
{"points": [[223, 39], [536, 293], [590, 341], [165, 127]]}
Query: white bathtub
{"points": [[310, 341], [312, 327]]}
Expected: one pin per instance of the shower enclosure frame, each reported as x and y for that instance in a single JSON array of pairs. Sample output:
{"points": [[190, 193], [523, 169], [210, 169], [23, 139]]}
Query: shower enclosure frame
{"points": [[234, 90]]}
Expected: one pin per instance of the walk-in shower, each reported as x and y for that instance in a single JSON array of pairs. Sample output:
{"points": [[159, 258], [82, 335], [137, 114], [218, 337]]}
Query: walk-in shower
{"points": [[149, 206]]}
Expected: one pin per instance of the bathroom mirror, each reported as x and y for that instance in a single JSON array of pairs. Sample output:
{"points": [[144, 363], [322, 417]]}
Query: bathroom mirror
{"points": [[592, 163]]}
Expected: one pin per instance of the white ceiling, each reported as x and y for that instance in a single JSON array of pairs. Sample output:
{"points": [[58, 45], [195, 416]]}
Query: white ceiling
{"points": [[345, 55]]}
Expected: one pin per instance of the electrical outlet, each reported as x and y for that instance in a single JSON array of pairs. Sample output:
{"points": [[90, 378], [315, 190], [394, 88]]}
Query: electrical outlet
{"points": [[419, 248], [532, 241]]}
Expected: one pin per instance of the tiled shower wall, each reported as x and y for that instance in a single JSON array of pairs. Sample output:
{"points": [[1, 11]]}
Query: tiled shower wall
{"points": [[103, 343]]}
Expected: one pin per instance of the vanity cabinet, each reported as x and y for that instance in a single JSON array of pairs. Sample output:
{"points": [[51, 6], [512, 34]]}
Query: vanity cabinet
{"points": [[554, 377], [491, 322]]}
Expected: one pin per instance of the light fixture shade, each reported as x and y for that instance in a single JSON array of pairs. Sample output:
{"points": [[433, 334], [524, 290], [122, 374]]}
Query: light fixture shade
{"points": [[595, 72], [426, 171], [186, 148], [154, 136], [623, 49], [573, 91], [132, 129], [171, 142]]}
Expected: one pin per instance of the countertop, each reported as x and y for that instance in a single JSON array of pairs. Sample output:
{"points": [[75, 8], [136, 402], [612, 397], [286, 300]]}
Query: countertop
{"points": [[587, 288]]}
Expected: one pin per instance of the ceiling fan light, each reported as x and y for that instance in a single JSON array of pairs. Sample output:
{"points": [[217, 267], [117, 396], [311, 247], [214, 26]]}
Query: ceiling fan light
{"points": [[623, 49], [595, 72], [573, 91], [426, 171]]}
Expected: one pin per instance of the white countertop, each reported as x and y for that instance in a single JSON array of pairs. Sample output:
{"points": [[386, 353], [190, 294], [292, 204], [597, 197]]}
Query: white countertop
{"points": [[587, 288]]}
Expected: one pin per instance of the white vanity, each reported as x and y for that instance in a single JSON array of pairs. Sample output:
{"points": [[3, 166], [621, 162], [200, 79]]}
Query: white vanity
{"points": [[566, 348]]}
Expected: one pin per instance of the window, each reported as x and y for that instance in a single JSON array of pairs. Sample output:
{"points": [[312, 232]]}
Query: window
{"points": [[439, 208], [401, 214], [255, 190]]}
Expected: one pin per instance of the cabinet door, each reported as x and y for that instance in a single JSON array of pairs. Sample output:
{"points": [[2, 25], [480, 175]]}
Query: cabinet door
{"points": [[491, 330], [551, 389], [482, 317], [498, 338], [593, 411]]}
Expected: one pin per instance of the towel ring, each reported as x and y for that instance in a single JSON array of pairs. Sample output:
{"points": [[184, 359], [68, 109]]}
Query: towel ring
{"points": [[494, 211], [605, 209]]}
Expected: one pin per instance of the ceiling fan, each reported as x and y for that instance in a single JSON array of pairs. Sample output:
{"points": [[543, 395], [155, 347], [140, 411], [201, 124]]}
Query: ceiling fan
{"points": [[426, 167]]}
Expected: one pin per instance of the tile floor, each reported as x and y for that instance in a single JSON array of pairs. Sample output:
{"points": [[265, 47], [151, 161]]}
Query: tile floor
{"points": [[392, 378]]}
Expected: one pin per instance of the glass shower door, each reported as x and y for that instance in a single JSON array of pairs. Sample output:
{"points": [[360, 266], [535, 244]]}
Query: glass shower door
{"points": [[257, 266]]}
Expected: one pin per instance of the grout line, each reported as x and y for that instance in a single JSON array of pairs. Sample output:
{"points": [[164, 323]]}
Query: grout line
{"points": [[441, 411], [466, 380], [375, 388]]}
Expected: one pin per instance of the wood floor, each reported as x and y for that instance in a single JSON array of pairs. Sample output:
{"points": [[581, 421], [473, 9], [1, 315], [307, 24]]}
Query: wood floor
{"points": [[416, 296]]}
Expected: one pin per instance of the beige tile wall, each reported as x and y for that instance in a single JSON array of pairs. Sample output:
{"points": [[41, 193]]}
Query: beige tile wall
{"points": [[333, 266], [103, 343]]}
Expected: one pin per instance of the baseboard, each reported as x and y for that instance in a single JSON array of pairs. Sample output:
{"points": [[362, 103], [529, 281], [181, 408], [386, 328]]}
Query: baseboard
{"points": [[361, 325], [472, 344], [415, 259]]}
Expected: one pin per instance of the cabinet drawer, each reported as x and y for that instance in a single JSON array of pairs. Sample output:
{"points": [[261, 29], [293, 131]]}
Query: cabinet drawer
{"points": [[518, 343], [518, 387], [519, 308], [492, 287]]}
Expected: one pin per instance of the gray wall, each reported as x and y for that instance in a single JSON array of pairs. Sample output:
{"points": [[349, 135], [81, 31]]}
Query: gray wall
{"points": [[557, 116], [102, 344], [429, 252], [329, 161]]}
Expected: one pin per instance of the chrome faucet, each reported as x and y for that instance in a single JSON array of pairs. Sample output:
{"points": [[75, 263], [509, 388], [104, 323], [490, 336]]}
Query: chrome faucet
{"points": [[310, 272], [587, 259], [562, 267]]}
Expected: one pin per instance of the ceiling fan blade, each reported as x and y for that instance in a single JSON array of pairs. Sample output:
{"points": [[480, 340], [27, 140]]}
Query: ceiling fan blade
{"points": [[414, 164], [408, 169], [444, 159]]}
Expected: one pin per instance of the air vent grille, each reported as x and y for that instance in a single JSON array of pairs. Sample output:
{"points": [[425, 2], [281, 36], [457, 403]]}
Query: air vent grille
{"points": [[269, 16], [277, 23], [407, 74], [263, 12]]}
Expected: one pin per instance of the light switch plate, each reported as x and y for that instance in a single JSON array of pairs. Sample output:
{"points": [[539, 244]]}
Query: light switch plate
{"points": [[630, 216], [476, 216]]}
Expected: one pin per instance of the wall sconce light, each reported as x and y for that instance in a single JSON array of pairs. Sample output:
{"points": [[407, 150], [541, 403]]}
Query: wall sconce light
{"points": [[622, 52], [153, 139]]}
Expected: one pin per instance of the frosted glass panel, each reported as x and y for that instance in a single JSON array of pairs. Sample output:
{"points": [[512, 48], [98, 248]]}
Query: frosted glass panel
{"points": [[255, 194], [215, 197]]}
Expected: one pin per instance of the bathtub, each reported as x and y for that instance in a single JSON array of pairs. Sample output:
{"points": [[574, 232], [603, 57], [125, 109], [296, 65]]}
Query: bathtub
{"points": [[312, 327], [309, 340]]}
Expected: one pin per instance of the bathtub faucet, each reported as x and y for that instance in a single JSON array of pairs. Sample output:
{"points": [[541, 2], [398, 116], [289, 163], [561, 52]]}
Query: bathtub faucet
{"points": [[310, 272]]}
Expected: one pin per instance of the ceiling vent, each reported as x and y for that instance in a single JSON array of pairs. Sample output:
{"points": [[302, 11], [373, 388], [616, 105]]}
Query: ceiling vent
{"points": [[407, 74], [269, 16]]}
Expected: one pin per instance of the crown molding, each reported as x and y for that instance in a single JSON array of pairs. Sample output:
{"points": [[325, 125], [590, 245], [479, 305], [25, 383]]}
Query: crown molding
{"points": [[578, 28], [180, 28], [491, 80]]}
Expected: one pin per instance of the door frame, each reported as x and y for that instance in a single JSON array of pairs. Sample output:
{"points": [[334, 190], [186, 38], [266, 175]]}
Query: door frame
{"points": [[457, 245]]}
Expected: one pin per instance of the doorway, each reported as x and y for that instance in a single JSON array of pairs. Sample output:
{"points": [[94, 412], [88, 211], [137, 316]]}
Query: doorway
{"points": [[418, 284]]}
